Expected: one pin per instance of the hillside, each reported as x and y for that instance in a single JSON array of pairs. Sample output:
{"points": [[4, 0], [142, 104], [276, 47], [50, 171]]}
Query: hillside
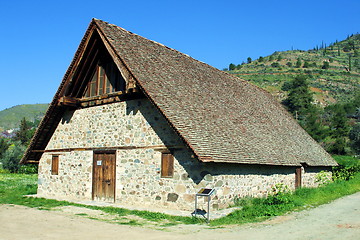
{"points": [[10, 118], [333, 71]]}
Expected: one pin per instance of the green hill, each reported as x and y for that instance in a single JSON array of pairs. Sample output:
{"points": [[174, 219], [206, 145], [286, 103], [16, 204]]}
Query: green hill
{"points": [[10, 118], [333, 71]]}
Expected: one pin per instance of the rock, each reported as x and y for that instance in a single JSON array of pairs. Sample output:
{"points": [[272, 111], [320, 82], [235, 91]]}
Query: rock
{"points": [[219, 183], [172, 197], [180, 188], [208, 177]]}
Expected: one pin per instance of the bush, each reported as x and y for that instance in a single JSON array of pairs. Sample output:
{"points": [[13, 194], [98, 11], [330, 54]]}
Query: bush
{"points": [[347, 169], [29, 169], [345, 172], [275, 64], [12, 156]]}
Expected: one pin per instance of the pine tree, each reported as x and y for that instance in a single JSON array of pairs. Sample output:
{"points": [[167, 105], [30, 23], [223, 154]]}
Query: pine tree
{"points": [[339, 129], [299, 98], [25, 133]]}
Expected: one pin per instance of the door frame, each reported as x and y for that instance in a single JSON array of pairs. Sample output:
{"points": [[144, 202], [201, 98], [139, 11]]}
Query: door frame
{"points": [[93, 170]]}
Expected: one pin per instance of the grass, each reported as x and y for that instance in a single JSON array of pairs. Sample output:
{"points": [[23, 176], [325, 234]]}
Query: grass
{"points": [[259, 209], [13, 187]]}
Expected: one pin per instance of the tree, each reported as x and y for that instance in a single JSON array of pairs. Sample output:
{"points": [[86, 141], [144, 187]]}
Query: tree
{"points": [[25, 132], [275, 64], [261, 59], [12, 157], [3, 146], [306, 64], [232, 67], [313, 125], [299, 97], [354, 136], [325, 65], [249, 60], [298, 63], [339, 129]]}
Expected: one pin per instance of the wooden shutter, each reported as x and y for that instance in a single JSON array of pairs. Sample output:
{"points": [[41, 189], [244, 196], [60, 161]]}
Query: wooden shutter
{"points": [[298, 177], [55, 165], [167, 165]]}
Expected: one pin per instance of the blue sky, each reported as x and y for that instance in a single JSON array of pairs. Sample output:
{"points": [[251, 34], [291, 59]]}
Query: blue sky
{"points": [[39, 38]]}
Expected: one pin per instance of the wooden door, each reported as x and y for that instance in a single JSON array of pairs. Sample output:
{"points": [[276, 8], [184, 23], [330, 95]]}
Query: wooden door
{"points": [[104, 176]]}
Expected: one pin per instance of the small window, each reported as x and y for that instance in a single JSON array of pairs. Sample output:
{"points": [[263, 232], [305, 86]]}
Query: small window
{"points": [[167, 165], [55, 165]]}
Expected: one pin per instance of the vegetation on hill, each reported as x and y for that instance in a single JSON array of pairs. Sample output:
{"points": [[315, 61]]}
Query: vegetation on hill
{"points": [[320, 87], [10, 118], [333, 71]]}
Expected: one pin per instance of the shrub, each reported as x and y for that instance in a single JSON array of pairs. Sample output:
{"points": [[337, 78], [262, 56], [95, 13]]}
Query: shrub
{"points": [[29, 169], [347, 169], [12, 157], [323, 178], [280, 195]]}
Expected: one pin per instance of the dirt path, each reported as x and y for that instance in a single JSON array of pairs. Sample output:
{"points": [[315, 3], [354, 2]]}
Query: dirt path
{"points": [[337, 220]]}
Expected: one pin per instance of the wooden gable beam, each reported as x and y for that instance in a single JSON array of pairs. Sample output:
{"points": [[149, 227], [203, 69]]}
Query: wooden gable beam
{"points": [[83, 67], [89, 69], [68, 102], [75, 66]]}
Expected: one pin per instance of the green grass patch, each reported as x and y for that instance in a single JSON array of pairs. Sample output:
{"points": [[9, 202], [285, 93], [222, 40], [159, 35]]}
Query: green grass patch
{"points": [[13, 187], [259, 209]]}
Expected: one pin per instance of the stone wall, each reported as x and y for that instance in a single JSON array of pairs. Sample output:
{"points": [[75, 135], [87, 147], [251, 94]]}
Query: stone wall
{"points": [[138, 125]]}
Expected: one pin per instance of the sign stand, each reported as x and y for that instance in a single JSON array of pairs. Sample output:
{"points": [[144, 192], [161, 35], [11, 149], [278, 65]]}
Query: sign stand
{"points": [[204, 192]]}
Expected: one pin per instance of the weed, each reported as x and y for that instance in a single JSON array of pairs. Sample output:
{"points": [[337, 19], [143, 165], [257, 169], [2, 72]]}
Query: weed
{"points": [[323, 178]]}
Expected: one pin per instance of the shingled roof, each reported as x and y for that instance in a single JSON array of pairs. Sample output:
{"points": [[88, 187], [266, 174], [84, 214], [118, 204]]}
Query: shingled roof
{"points": [[220, 117]]}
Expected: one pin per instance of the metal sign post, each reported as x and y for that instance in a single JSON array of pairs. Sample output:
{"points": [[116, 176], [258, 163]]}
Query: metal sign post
{"points": [[204, 192]]}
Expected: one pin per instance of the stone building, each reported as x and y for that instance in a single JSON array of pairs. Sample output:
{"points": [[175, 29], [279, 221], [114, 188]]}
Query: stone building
{"points": [[138, 123]]}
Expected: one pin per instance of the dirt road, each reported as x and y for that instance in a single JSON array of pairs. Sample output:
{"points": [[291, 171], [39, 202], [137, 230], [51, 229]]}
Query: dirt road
{"points": [[337, 220]]}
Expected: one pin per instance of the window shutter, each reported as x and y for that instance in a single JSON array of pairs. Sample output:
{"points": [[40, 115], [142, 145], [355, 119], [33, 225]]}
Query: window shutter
{"points": [[298, 177], [55, 165], [167, 165]]}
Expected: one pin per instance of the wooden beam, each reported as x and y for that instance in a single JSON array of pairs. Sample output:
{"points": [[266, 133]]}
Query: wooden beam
{"points": [[155, 147], [85, 64], [126, 74], [68, 102]]}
